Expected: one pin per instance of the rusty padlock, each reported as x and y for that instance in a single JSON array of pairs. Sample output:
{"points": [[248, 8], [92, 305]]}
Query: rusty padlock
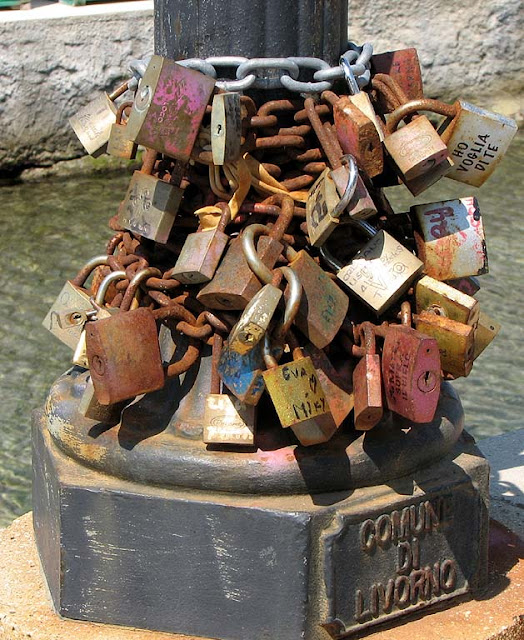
{"points": [[450, 238], [202, 251], [150, 205], [367, 382], [403, 67], [169, 107], [226, 128], [234, 284], [411, 372]]}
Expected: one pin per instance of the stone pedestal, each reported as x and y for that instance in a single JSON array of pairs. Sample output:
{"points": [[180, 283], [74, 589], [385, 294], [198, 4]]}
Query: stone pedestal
{"points": [[210, 562]]}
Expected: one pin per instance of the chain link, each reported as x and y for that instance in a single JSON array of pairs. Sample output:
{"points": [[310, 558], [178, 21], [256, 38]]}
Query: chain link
{"points": [[249, 73]]}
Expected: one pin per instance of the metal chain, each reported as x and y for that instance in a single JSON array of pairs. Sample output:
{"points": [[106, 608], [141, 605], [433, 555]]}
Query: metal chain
{"points": [[249, 73]]}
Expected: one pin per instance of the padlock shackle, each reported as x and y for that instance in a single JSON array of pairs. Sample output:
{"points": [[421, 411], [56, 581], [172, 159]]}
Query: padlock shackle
{"points": [[287, 205], [345, 62], [330, 259], [216, 351], [390, 89], [136, 280], [120, 111], [256, 265], [116, 93], [80, 279], [148, 161], [405, 313], [292, 303], [351, 186], [106, 282], [269, 359], [425, 104]]}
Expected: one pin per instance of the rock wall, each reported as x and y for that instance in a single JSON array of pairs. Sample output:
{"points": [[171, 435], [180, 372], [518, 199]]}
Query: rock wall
{"points": [[51, 67]]}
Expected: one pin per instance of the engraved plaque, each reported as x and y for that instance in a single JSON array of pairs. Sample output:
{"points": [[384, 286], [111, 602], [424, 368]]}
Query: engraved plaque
{"points": [[405, 554]]}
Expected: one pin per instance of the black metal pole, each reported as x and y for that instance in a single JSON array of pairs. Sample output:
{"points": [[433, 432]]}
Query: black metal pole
{"points": [[257, 28]]}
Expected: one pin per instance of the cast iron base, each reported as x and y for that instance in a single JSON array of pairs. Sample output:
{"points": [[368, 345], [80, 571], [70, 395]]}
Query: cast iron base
{"points": [[258, 567]]}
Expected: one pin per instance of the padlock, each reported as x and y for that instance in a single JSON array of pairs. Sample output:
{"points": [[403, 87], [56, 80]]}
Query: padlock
{"points": [[323, 305], [337, 388], [416, 148], [92, 124], [124, 355], [242, 372], [89, 407], [358, 135], [450, 238], [487, 331], [255, 319], [119, 144], [380, 272], [411, 372], [99, 312], [361, 206], [404, 67], [234, 284], [150, 205], [324, 207], [227, 421], [169, 107], [358, 98], [477, 140], [455, 341], [441, 298], [468, 285], [367, 382], [298, 397], [226, 128], [202, 251], [68, 314]]}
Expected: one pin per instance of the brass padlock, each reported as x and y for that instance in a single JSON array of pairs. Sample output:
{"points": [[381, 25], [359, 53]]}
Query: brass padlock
{"points": [[380, 272], [242, 372], [367, 382], [411, 372], [169, 107], [441, 298], [202, 251], [487, 331], [227, 421], [150, 205], [324, 207], [456, 341], [337, 387], [68, 314], [124, 355], [119, 144], [323, 305], [298, 397], [226, 128], [234, 284], [92, 124], [404, 67], [255, 319], [477, 140], [416, 149], [450, 238]]}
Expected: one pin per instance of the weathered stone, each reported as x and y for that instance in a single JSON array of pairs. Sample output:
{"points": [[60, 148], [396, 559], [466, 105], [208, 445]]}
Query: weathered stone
{"points": [[52, 66]]}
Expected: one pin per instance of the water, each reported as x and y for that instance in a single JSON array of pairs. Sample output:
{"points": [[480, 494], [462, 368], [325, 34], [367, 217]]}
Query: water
{"points": [[52, 228]]}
